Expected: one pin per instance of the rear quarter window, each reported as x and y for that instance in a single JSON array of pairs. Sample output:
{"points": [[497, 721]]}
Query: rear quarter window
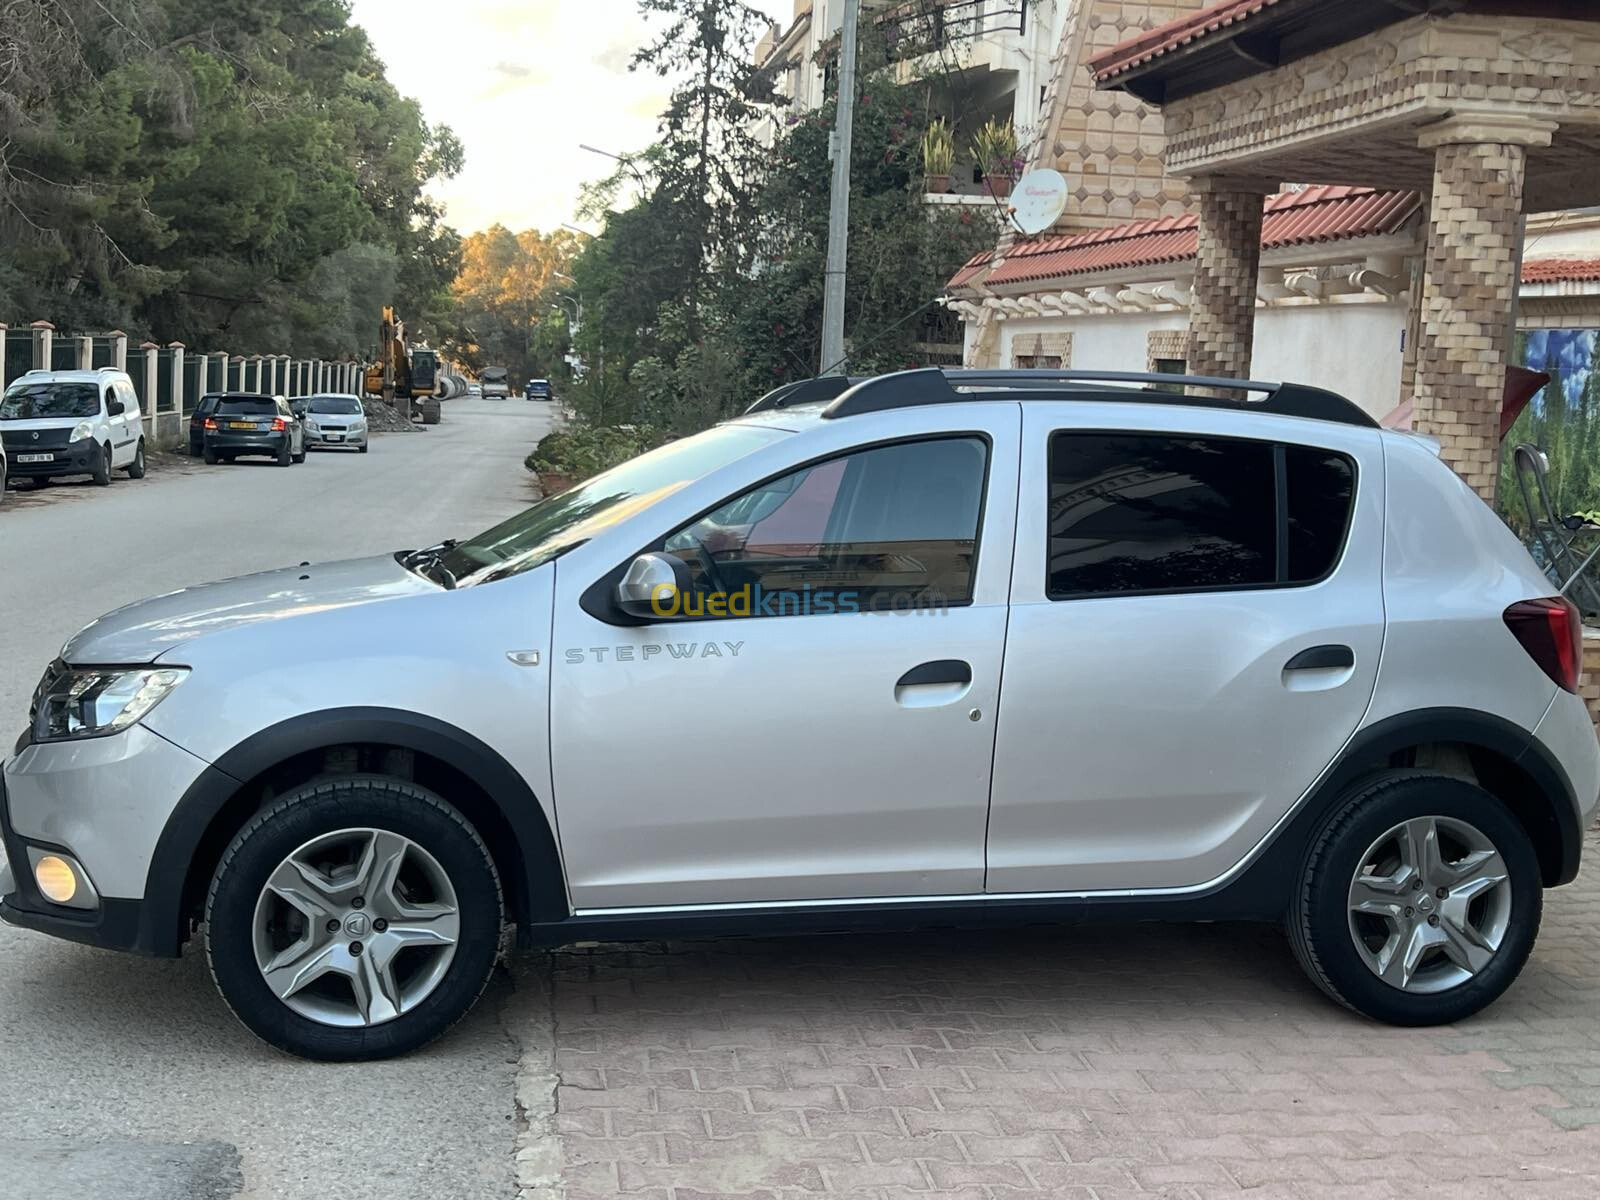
{"points": [[1139, 514]]}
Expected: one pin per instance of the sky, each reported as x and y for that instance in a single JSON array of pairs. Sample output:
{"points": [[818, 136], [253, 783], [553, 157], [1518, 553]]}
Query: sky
{"points": [[522, 83]]}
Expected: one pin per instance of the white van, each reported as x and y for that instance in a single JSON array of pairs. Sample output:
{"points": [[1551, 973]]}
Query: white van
{"points": [[72, 423]]}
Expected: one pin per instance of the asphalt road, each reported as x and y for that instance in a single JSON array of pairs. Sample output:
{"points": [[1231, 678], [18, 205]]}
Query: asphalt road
{"points": [[127, 1078]]}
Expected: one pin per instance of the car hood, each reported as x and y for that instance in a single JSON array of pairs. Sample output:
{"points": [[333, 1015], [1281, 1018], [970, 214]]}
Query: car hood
{"points": [[40, 424], [144, 631]]}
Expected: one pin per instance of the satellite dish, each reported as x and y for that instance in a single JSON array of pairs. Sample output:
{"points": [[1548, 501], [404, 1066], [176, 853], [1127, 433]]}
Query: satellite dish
{"points": [[1038, 200]]}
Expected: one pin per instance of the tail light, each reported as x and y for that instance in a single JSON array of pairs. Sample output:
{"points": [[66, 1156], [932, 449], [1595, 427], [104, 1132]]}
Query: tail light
{"points": [[278, 425], [210, 424], [1552, 633]]}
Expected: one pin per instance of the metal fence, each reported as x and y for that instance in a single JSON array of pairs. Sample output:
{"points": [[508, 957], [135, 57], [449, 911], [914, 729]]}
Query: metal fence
{"points": [[169, 380]]}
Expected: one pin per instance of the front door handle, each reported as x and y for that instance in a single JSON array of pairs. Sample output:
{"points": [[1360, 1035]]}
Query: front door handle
{"points": [[945, 670], [1322, 658]]}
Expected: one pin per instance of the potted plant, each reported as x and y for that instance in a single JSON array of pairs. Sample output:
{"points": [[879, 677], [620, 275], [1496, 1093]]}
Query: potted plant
{"points": [[938, 157], [995, 146]]}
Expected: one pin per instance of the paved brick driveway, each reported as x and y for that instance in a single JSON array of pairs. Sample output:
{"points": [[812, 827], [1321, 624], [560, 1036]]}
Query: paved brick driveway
{"points": [[1096, 1062]]}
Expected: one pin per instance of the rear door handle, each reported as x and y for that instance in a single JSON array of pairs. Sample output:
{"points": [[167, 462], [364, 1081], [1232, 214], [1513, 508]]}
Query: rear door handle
{"points": [[1322, 658], [945, 670]]}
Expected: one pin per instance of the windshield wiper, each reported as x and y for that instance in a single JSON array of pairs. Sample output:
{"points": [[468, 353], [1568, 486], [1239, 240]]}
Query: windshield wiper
{"points": [[429, 563]]}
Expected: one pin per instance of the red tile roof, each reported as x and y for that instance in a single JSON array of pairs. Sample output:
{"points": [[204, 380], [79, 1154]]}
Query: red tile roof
{"points": [[1561, 270], [1317, 214], [1164, 39]]}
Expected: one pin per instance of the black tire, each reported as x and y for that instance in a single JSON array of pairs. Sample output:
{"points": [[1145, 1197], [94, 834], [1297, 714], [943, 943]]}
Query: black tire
{"points": [[363, 447], [209, 456], [102, 470], [285, 457], [136, 467], [1319, 923], [301, 457], [322, 807]]}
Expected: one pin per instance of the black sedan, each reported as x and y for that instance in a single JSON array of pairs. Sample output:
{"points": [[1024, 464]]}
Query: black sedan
{"points": [[253, 425]]}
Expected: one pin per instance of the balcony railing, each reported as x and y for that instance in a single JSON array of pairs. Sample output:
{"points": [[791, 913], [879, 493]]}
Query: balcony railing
{"points": [[926, 26]]}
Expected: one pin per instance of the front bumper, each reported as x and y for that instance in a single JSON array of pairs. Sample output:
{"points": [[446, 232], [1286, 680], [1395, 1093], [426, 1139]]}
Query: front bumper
{"points": [[336, 437], [75, 458], [106, 802], [223, 442]]}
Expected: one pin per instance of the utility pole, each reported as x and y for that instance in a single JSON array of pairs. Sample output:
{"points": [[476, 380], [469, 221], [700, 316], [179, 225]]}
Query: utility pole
{"points": [[839, 202]]}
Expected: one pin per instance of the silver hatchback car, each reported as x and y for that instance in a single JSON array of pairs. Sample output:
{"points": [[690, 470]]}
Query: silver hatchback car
{"points": [[1059, 646]]}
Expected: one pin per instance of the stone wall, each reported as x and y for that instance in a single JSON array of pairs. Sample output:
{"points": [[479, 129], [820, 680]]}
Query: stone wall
{"points": [[1108, 145]]}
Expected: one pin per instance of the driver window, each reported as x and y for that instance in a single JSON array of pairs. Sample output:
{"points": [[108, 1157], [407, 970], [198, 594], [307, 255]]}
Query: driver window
{"points": [[892, 527], [110, 398]]}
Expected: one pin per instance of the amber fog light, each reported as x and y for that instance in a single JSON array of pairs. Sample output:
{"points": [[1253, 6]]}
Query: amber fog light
{"points": [[62, 880], [56, 879]]}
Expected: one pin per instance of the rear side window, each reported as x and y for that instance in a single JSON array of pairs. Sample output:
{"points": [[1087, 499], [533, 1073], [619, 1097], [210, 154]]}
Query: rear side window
{"points": [[1151, 513]]}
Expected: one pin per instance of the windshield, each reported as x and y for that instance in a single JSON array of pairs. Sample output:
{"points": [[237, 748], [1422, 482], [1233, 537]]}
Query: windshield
{"points": [[250, 407], [30, 401], [347, 405], [554, 526]]}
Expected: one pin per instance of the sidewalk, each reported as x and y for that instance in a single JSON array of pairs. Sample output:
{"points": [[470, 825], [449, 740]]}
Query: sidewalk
{"points": [[1179, 1061]]}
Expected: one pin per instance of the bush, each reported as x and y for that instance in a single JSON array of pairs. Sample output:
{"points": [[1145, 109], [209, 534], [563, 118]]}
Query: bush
{"points": [[587, 450]]}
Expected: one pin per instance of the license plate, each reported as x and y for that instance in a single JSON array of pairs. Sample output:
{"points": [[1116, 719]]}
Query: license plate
{"points": [[22, 458], [241, 424], [335, 437]]}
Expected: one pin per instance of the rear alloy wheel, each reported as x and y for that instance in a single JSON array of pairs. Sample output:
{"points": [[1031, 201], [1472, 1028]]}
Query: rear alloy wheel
{"points": [[355, 918], [1420, 902], [136, 467], [102, 470]]}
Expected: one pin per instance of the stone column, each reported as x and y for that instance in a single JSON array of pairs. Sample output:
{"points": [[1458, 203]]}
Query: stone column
{"points": [[85, 353], [1222, 302], [150, 354], [43, 344], [4, 331], [177, 349], [1470, 285]]}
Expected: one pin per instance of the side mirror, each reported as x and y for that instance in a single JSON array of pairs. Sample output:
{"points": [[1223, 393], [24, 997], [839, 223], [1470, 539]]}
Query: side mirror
{"points": [[115, 407], [654, 586]]}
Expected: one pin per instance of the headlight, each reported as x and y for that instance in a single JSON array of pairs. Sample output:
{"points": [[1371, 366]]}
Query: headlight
{"points": [[311, 426], [96, 701], [82, 431]]}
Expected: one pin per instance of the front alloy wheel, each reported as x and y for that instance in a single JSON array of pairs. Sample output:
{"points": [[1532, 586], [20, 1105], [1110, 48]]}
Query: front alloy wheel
{"points": [[356, 927], [356, 917]]}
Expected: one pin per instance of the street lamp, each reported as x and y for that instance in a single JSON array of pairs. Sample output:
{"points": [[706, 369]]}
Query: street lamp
{"points": [[625, 159]]}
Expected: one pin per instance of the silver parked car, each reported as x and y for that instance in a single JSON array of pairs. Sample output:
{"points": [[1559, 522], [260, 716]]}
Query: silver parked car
{"points": [[1065, 646], [335, 420]]}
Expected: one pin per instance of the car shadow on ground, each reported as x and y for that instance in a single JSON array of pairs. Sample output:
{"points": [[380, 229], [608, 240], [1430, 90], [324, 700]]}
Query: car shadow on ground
{"points": [[78, 999]]}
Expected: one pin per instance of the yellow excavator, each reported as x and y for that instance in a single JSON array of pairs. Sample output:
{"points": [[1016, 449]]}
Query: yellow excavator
{"points": [[403, 373]]}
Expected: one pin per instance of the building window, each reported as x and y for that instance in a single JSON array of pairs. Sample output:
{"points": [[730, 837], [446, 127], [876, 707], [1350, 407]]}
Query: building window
{"points": [[1141, 513], [1038, 362]]}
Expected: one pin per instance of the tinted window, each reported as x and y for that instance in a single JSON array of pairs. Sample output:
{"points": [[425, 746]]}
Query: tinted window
{"points": [[1155, 513], [248, 407], [1320, 487], [887, 528]]}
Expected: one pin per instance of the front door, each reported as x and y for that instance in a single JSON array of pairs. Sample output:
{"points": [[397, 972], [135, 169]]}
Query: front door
{"points": [[819, 725], [1195, 630]]}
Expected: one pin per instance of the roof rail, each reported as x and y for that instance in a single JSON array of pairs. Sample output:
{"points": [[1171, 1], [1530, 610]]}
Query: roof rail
{"points": [[931, 385], [804, 391]]}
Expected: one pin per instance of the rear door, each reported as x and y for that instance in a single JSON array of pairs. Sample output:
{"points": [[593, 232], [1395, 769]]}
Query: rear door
{"points": [[1195, 628]]}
